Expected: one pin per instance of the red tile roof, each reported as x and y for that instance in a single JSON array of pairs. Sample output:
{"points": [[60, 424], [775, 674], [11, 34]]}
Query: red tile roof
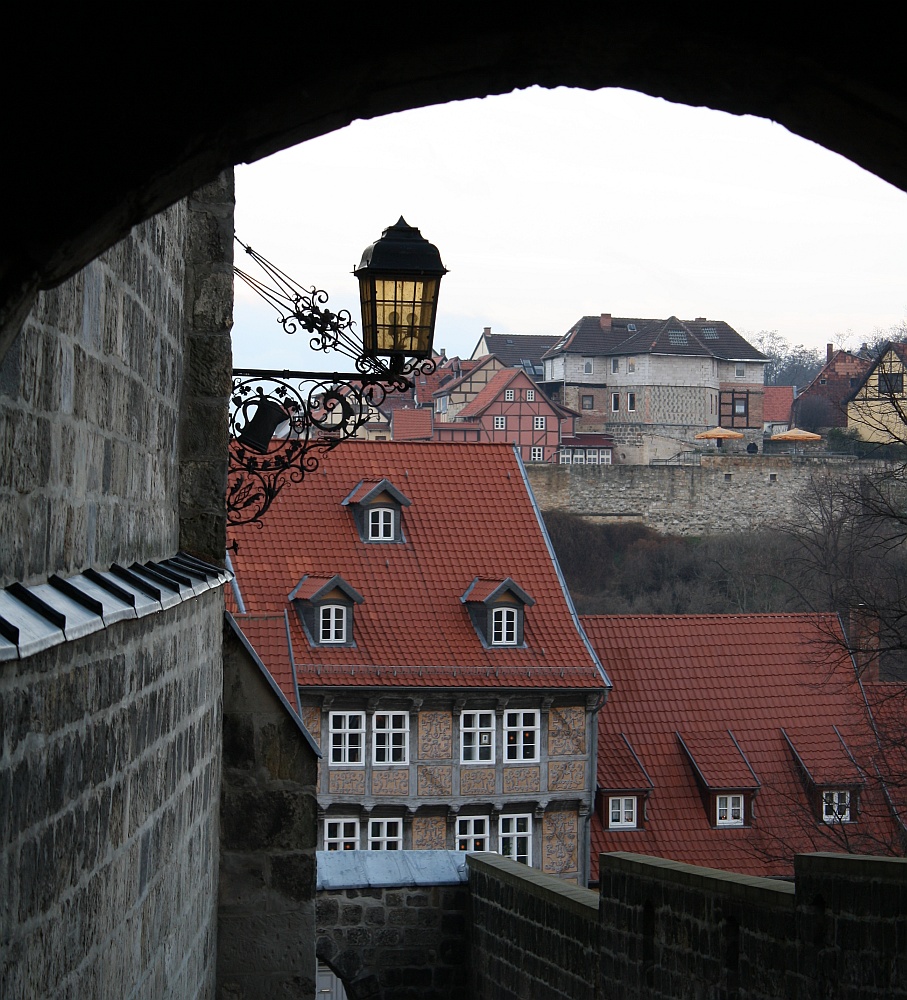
{"points": [[713, 677], [471, 515], [412, 425]]}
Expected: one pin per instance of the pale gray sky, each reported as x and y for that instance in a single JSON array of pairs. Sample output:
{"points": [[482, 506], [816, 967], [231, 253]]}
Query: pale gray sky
{"points": [[550, 205]]}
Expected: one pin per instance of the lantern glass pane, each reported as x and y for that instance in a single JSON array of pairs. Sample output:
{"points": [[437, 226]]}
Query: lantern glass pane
{"points": [[401, 315]]}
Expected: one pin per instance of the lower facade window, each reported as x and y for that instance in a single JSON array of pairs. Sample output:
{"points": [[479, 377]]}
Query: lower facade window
{"points": [[588, 402], [347, 730], [622, 812], [538, 423], [566, 456], [341, 834], [385, 835], [390, 737], [836, 807], [515, 838], [729, 810], [477, 737], [521, 736], [500, 423], [631, 401], [536, 454], [615, 402], [473, 833]]}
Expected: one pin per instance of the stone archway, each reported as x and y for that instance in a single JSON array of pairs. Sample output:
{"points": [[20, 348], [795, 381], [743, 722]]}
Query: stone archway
{"points": [[118, 130]]}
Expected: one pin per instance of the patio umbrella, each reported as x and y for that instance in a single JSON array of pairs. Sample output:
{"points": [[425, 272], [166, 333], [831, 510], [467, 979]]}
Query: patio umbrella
{"points": [[718, 434], [796, 434]]}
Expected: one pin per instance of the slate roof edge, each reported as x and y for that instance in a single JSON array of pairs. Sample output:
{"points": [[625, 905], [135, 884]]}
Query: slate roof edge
{"points": [[274, 686], [606, 680], [65, 610]]}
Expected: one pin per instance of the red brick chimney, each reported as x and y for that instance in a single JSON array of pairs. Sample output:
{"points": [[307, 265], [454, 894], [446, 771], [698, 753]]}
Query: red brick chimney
{"points": [[863, 629], [605, 321], [829, 351]]}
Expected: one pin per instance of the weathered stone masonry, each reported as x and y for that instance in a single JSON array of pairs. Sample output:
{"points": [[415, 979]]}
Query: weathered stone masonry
{"points": [[725, 493]]}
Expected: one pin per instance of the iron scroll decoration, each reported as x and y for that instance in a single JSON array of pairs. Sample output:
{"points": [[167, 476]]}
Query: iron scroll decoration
{"points": [[283, 423]]}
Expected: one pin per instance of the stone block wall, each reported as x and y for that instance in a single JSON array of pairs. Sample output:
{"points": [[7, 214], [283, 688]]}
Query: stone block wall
{"points": [[109, 786], [266, 910], [725, 493], [530, 935], [400, 943]]}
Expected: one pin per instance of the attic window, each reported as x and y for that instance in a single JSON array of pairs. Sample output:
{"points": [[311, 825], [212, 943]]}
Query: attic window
{"points": [[836, 806], [631, 327], [710, 333], [324, 606], [677, 337], [622, 812], [332, 624], [381, 524], [729, 810], [377, 509], [497, 611]]}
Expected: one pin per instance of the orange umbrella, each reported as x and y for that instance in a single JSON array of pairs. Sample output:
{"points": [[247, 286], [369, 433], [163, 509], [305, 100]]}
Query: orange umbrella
{"points": [[718, 434], [796, 434]]}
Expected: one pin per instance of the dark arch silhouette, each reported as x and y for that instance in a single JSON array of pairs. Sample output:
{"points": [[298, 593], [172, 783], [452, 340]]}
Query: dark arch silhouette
{"points": [[107, 123]]}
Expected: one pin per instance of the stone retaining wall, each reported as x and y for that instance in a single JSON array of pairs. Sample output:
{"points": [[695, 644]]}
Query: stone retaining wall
{"points": [[722, 494]]}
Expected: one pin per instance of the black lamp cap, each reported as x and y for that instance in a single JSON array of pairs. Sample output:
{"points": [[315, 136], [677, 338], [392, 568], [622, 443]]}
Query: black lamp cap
{"points": [[402, 248]]}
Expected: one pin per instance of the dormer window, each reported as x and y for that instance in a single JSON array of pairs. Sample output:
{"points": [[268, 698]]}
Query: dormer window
{"points": [[836, 806], [332, 623], [622, 812], [381, 524], [324, 606], [377, 509], [729, 810], [497, 609], [503, 627]]}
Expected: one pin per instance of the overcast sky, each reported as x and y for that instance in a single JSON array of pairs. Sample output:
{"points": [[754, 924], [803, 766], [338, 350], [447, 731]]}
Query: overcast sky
{"points": [[550, 205]]}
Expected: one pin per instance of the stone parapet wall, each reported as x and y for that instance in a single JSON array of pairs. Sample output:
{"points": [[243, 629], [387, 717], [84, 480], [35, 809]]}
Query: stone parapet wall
{"points": [[109, 787], [723, 494], [530, 935]]}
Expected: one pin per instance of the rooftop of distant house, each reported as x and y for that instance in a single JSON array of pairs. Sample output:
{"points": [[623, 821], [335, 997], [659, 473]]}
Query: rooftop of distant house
{"points": [[458, 539], [758, 715]]}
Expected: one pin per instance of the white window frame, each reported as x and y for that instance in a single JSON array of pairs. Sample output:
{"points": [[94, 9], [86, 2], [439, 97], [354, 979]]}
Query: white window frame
{"points": [[385, 834], [615, 402], [521, 735], [473, 833], [538, 423], [515, 837], [381, 524], [836, 806], [588, 366], [536, 454], [500, 423], [579, 456], [332, 624], [739, 407], [441, 404], [477, 731], [624, 807], [341, 833], [729, 810], [509, 395], [530, 395], [390, 738], [631, 402], [505, 624], [566, 456], [739, 370], [592, 456], [347, 738], [604, 456], [615, 366]]}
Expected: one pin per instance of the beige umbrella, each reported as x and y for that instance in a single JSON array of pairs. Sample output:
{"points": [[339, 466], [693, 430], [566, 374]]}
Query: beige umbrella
{"points": [[718, 434], [796, 434]]}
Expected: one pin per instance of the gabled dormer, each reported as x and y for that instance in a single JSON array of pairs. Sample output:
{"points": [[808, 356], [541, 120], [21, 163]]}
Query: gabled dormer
{"points": [[325, 609], [497, 610], [377, 509]]}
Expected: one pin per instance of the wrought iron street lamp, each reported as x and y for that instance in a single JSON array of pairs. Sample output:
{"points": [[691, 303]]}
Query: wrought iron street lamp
{"points": [[282, 422]]}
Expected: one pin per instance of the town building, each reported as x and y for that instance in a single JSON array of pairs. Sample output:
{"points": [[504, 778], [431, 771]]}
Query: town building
{"points": [[654, 383], [407, 600], [739, 741], [516, 350], [822, 403], [877, 407]]}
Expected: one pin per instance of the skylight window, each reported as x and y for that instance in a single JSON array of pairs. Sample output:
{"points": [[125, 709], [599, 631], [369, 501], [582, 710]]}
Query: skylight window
{"points": [[677, 337], [710, 333], [631, 327]]}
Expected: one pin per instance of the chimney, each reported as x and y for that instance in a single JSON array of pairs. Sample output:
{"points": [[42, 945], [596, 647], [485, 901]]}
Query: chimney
{"points": [[829, 351], [605, 321], [486, 331], [864, 642]]}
